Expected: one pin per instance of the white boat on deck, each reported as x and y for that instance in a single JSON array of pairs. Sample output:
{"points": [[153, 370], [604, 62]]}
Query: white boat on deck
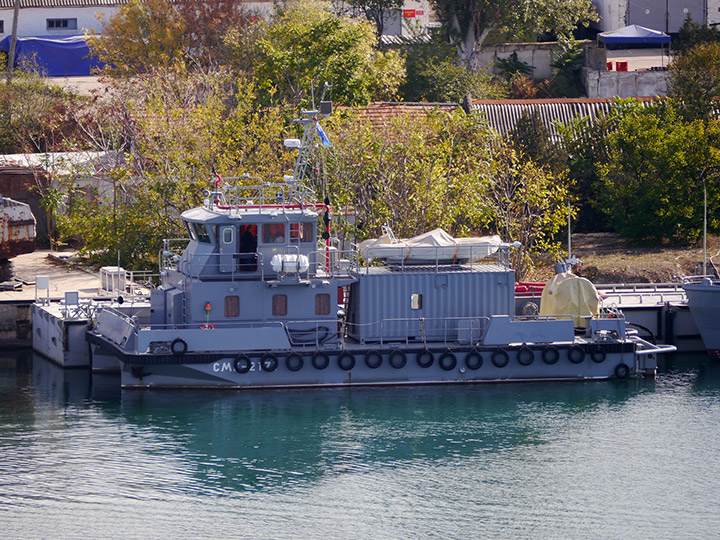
{"points": [[703, 293], [436, 246]]}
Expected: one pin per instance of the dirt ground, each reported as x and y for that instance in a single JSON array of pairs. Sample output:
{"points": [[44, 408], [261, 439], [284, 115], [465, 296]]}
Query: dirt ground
{"points": [[607, 258]]}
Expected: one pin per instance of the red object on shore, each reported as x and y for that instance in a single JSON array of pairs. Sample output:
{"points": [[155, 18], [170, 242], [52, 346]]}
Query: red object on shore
{"points": [[609, 66], [529, 288], [621, 66]]}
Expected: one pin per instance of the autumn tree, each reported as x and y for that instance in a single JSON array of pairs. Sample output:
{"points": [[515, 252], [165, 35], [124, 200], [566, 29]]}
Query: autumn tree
{"points": [[694, 80], [306, 46], [469, 22]]}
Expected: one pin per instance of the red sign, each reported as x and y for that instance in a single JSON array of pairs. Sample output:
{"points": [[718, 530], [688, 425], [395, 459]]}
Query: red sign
{"points": [[409, 13], [419, 12]]}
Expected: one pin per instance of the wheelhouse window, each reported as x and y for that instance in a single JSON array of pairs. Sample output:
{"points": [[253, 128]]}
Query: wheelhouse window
{"points": [[273, 233], [279, 305], [301, 232], [61, 24], [202, 233], [191, 231], [227, 235], [2, 27]]}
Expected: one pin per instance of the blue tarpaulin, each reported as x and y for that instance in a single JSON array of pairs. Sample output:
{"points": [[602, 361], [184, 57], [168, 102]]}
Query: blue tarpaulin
{"points": [[66, 56], [634, 35]]}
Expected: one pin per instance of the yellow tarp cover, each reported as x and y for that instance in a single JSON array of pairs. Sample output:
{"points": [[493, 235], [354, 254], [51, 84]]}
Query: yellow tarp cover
{"points": [[568, 294]]}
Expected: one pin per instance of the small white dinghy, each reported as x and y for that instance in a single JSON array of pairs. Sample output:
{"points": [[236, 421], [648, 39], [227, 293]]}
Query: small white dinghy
{"points": [[434, 247]]}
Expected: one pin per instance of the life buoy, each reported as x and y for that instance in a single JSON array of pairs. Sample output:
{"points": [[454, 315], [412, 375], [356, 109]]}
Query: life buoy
{"points": [[294, 362], [373, 359], [242, 363], [500, 357], [447, 361], [473, 359], [425, 359], [346, 361], [622, 371], [576, 354], [178, 346], [525, 356], [598, 356], [550, 354], [397, 359], [320, 360], [269, 362]]}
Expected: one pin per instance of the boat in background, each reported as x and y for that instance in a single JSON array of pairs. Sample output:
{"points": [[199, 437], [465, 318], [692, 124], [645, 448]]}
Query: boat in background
{"points": [[703, 294]]}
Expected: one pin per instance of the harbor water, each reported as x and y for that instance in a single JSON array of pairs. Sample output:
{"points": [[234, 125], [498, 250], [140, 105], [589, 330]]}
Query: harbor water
{"points": [[637, 458]]}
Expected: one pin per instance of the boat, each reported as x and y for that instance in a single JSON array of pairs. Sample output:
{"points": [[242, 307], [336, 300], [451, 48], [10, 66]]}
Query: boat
{"points": [[262, 296], [703, 295]]}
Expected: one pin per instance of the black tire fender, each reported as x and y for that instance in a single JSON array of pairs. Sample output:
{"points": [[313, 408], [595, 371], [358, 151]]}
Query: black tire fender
{"points": [[373, 359], [425, 359], [447, 361], [320, 360], [242, 363], [576, 354], [473, 359], [525, 356], [500, 357], [294, 362], [346, 361], [397, 359], [550, 354], [268, 362], [622, 371], [178, 346]]}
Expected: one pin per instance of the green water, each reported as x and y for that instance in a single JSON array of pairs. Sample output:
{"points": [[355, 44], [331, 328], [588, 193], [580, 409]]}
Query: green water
{"points": [[80, 459]]}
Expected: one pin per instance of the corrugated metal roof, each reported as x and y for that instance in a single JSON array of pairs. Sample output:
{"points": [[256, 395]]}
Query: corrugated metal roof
{"points": [[10, 4], [502, 115]]}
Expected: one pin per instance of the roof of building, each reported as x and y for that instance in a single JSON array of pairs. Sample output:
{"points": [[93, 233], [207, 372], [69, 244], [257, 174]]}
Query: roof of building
{"points": [[381, 112]]}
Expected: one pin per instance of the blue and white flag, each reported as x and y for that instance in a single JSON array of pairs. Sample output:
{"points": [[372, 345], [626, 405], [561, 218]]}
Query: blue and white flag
{"points": [[323, 137]]}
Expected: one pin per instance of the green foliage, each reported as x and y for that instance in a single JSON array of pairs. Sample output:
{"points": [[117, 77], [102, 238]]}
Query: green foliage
{"points": [[306, 46], [511, 66], [651, 181], [441, 170], [567, 68], [694, 80], [468, 23], [35, 116], [692, 34], [533, 140], [433, 74]]}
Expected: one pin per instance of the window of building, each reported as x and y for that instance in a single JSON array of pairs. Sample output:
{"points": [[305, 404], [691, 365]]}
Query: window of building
{"points": [[273, 233], [232, 306], [302, 232], [279, 305], [2, 27], [62, 24], [322, 304]]}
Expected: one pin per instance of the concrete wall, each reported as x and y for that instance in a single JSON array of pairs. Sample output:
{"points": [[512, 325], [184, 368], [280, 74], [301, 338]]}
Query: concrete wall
{"points": [[608, 84], [539, 55], [33, 21], [16, 324], [713, 11]]}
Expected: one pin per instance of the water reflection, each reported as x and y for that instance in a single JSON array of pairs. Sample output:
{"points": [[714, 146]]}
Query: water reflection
{"points": [[79, 458], [236, 441]]}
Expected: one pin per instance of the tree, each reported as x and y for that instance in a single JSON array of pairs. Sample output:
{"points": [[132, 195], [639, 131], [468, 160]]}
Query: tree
{"points": [[306, 46], [470, 21], [533, 140], [694, 80], [152, 34], [376, 11], [692, 34], [433, 74], [652, 177]]}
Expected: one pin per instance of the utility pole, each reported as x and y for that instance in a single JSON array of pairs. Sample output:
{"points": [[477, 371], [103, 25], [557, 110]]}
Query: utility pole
{"points": [[13, 42]]}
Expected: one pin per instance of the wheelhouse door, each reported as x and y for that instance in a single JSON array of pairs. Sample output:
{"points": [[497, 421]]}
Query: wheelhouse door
{"points": [[228, 248]]}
